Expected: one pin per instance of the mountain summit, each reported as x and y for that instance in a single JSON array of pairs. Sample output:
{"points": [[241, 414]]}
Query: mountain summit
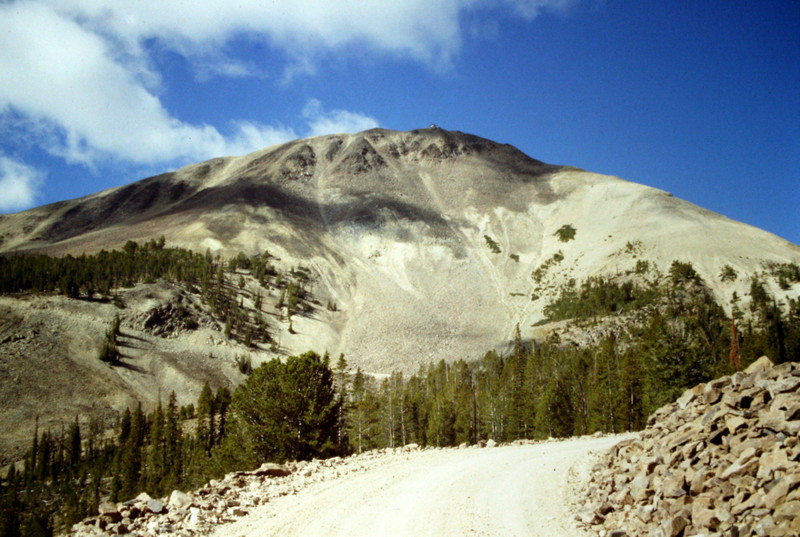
{"points": [[432, 244], [396, 249]]}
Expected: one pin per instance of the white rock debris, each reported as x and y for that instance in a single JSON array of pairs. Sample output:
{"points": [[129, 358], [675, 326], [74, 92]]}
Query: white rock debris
{"points": [[724, 459]]}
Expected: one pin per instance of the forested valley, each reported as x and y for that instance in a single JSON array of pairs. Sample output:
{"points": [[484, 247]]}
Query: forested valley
{"points": [[650, 340]]}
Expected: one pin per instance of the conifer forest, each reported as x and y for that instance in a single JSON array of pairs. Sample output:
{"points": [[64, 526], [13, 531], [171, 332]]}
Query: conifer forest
{"points": [[670, 334]]}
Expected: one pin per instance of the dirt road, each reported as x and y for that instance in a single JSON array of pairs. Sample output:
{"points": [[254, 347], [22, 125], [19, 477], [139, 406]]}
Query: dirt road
{"points": [[507, 491]]}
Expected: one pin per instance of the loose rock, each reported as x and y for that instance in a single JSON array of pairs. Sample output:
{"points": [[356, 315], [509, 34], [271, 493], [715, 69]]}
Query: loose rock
{"points": [[721, 460]]}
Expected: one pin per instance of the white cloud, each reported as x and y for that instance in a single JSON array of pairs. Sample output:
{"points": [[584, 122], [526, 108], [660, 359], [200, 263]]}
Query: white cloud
{"points": [[252, 136], [81, 71], [336, 121], [420, 29], [530, 9], [19, 185], [66, 79]]}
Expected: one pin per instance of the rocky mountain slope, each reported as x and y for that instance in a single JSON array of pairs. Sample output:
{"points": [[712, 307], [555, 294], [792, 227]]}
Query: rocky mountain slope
{"points": [[426, 240], [723, 459], [426, 245]]}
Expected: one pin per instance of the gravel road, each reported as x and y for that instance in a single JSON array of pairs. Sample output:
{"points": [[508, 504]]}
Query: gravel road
{"points": [[518, 490]]}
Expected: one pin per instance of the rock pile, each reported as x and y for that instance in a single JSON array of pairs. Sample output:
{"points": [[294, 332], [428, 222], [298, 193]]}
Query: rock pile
{"points": [[218, 502], [723, 459], [224, 500]]}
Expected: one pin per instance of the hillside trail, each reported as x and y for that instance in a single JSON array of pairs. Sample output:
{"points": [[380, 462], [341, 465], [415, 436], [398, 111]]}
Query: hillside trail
{"points": [[518, 490]]}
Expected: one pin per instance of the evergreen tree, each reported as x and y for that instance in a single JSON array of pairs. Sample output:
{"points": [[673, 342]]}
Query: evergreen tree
{"points": [[734, 357], [10, 505], [205, 419], [75, 445], [286, 411], [360, 413], [493, 398], [173, 444]]}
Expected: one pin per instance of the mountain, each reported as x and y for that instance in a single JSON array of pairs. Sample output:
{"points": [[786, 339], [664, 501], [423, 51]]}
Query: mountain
{"points": [[396, 227], [424, 245]]}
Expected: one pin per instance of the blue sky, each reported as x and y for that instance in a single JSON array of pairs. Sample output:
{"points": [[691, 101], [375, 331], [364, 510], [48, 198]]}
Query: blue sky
{"points": [[701, 99]]}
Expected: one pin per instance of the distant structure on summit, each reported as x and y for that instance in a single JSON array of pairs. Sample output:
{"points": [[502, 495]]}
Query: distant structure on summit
{"points": [[434, 126]]}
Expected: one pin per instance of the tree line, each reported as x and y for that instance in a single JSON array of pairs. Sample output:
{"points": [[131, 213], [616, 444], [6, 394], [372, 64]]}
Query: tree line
{"points": [[651, 341], [673, 335], [242, 313], [284, 411]]}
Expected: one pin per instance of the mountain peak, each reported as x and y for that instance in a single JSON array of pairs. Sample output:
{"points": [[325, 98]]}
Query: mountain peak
{"points": [[425, 245]]}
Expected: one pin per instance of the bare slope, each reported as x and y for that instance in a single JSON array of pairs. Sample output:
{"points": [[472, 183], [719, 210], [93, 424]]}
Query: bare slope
{"points": [[397, 229], [394, 226], [50, 371]]}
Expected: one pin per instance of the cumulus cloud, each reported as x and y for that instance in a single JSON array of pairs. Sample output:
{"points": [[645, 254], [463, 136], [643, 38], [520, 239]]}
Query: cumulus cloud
{"points": [[530, 9], [420, 29], [81, 71], [336, 121], [19, 185], [67, 79]]}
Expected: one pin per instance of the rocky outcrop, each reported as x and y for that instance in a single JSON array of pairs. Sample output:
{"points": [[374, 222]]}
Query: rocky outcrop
{"points": [[225, 500], [195, 513], [723, 459]]}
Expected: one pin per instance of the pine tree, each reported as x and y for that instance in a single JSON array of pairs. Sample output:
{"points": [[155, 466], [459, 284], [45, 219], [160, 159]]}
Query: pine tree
{"points": [[286, 411], [10, 505], [173, 444], [205, 419], [360, 410], [734, 357], [493, 398], [341, 374], [74, 443], [222, 401], [109, 352], [156, 455], [632, 387], [514, 380]]}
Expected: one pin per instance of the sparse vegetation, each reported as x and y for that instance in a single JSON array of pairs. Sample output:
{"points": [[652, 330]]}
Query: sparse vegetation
{"points": [[244, 362], [599, 296], [566, 233], [492, 244], [514, 257], [109, 352], [96, 277], [633, 247], [786, 274], [681, 272], [539, 274], [642, 266], [728, 274]]}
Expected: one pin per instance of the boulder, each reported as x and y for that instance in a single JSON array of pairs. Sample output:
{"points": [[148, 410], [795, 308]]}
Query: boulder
{"points": [[724, 459], [155, 506], [762, 364], [142, 497], [179, 500], [109, 511], [269, 469]]}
